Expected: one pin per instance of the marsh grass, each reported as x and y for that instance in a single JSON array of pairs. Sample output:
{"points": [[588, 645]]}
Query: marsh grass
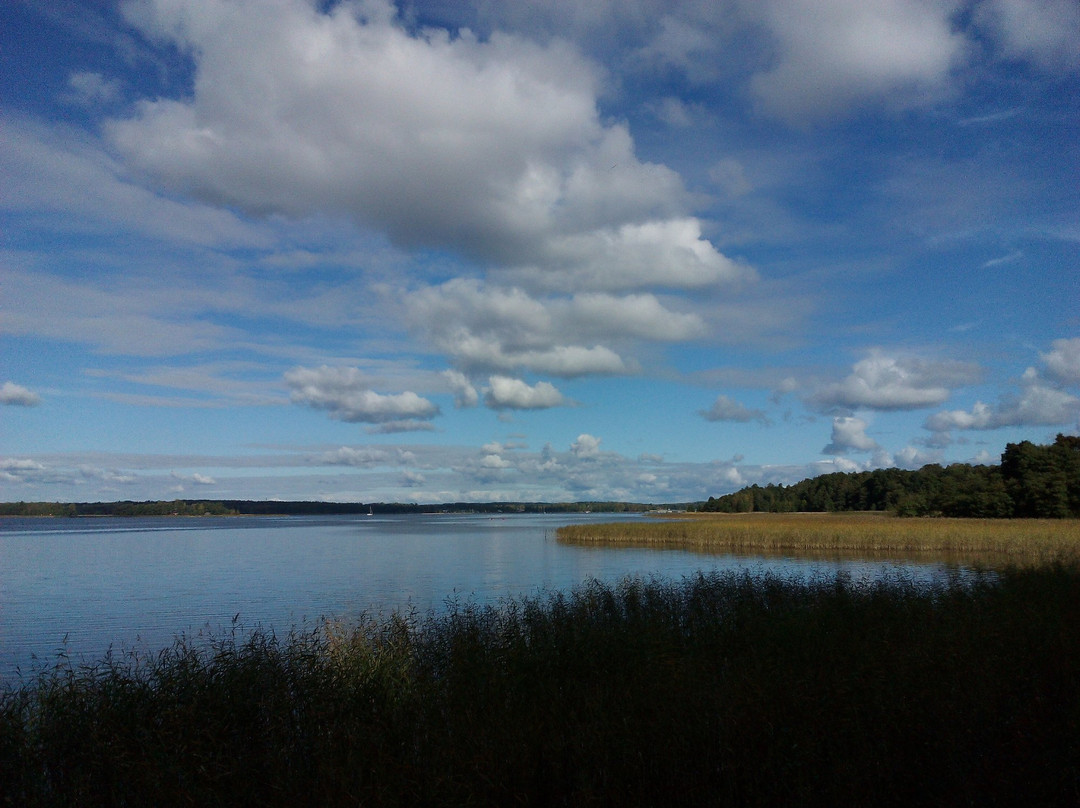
{"points": [[992, 542], [721, 689]]}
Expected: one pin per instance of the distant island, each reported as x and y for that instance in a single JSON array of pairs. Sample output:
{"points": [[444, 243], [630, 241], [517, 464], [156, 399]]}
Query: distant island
{"points": [[239, 507]]}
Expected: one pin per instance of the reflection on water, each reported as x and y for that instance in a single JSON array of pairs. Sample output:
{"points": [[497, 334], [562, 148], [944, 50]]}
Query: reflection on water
{"points": [[136, 583]]}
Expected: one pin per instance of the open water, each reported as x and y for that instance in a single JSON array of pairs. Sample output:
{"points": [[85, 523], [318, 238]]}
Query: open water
{"points": [[80, 586]]}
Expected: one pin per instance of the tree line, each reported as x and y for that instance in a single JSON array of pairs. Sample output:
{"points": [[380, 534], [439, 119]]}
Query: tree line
{"points": [[230, 507], [1032, 481]]}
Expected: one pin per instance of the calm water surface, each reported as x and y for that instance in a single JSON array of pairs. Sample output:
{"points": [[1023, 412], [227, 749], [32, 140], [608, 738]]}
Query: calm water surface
{"points": [[81, 585]]}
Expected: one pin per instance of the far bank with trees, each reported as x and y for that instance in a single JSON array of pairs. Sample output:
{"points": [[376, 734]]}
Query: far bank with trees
{"points": [[1032, 481]]}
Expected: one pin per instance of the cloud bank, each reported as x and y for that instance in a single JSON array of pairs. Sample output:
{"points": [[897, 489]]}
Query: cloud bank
{"points": [[887, 383], [491, 147]]}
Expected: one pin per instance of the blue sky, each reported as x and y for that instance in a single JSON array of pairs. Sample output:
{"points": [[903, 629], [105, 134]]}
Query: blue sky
{"points": [[541, 250]]}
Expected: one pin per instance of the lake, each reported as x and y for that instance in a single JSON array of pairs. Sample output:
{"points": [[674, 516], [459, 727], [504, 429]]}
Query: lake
{"points": [[81, 585]]}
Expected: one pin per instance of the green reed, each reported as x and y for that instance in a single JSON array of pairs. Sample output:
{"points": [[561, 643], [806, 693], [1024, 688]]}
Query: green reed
{"points": [[720, 689]]}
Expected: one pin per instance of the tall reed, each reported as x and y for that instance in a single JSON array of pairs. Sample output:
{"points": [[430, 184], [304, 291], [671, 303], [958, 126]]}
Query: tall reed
{"points": [[995, 541], [719, 689]]}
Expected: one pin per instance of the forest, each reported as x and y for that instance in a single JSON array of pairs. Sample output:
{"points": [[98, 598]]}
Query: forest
{"points": [[1032, 481], [245, 507]]}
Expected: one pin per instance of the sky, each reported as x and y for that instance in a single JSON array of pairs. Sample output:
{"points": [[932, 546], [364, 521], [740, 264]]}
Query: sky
{"points": [[542, 250]]}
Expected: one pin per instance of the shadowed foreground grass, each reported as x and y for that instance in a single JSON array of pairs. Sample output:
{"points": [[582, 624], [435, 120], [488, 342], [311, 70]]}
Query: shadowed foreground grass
{"points": [[717, 690], [1014, 542]]}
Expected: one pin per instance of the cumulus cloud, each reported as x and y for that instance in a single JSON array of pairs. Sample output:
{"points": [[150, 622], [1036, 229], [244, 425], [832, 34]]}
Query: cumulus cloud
{"points": [[1037, 404], [980, 416], [483, 328], [494, 461], [1046, 32], [586, 445], [345, 393], [911, 457], [1039, 401], [835, 53], [493, 147], [505, 393], [465, 394], [728, 409], [849, 434], [1063, 362], [18, 396], [666, 253], [881, 382], [635, 315]]}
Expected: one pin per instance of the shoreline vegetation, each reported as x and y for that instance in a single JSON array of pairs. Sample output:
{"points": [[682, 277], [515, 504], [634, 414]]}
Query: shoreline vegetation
{"points": [[721, 689], [1032, 481], [203, 507], [874, 535]]}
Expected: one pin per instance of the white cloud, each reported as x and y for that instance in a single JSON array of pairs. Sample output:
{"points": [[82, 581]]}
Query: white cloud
{"points": [[883, 382], [17, 470], [836, 53], [17, 395], [1063, 362], [108, 476], [727, 409], [345, 393], [491, 147], [1046, 32], [465, 394], [88, 89], [413, 479], [981, 416], [639, 315], [503, 329], [505, 393], [491, 328], [668, 253], [585, 446], [1037, 404], [494, 461], [366, 456], [559, 360], [911, 457], [849, 434]]}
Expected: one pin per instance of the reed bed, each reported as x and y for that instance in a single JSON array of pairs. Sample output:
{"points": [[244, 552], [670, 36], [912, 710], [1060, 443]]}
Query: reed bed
{"points": [[720, 689], [985, 541]]}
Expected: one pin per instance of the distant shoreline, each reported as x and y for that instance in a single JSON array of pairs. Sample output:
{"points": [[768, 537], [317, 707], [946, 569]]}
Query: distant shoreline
{"points": [[203, 507]]}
